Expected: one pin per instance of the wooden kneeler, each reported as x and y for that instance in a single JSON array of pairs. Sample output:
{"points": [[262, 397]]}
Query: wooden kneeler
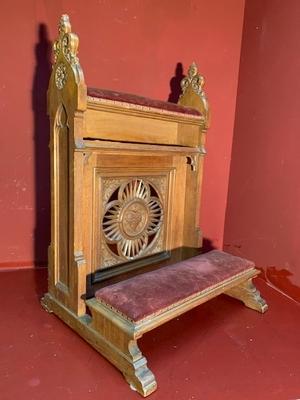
{"points": [[125, 183]]}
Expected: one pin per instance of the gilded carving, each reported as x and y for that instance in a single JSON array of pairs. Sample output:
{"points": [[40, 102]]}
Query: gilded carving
{"points": [[132, 219], [193, 83], [68, 50], [109, 259], [109, 185], [159, 245], [56, 50], [194, 79], [67, 42], [160, 184], [61, 76]]}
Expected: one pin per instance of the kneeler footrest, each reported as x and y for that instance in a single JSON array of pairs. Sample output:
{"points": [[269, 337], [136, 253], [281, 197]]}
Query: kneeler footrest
{"points": [[123, 312]]}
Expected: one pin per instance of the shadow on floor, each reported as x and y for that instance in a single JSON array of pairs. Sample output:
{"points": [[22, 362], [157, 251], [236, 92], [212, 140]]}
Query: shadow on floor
{"points": [[281, 279]]}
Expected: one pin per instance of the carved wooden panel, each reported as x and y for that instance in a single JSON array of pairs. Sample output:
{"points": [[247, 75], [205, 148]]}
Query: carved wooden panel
{"points": [[131, 214], [132, 222]]}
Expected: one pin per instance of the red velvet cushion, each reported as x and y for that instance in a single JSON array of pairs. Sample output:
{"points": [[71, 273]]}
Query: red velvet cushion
{"points": [[146, 294], [141, 101]]}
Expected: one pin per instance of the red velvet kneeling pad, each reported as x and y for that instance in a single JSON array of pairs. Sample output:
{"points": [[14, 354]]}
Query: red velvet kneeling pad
{"points": [[146, 294]]}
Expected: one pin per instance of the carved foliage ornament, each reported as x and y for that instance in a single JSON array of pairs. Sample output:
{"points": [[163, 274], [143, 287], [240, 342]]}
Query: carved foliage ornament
{"points": [[193, 79], [61, 75], [132, 219], [67, 42], [195, 82], [65, 49]]}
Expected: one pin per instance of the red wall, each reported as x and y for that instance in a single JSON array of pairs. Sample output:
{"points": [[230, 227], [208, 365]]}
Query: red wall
{"points": [[263, 218], [127, 45]]}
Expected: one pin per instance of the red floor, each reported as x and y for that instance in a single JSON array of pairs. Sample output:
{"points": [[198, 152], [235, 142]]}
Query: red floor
{"points": [[219, 351]]}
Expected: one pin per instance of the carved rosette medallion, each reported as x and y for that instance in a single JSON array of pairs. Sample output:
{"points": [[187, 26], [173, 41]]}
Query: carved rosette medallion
{"points": [[61, 76], [132, 219]]}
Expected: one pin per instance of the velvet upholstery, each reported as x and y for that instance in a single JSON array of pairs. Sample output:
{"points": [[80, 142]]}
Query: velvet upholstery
{"points": [[146, 294], [141, 101]]}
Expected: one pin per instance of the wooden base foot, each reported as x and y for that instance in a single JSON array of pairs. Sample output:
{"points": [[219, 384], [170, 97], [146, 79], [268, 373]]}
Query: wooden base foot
{"points": [[249, 295], [117, 345], [123, 341], [139, 377], [45, 305]]}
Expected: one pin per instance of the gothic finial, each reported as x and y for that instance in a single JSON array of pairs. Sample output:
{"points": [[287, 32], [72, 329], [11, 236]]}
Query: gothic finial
{"points": [[193, 79], [193, 94], [64, 25], [193, 70], [65, 52], [67, 42]]}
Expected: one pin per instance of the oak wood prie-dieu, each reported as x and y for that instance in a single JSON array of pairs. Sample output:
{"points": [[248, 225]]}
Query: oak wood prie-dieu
{"points": [[125, 187]]}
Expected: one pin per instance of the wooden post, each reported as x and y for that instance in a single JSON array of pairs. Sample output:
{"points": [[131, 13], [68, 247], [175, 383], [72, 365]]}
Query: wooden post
{"points": [[67, 99]]}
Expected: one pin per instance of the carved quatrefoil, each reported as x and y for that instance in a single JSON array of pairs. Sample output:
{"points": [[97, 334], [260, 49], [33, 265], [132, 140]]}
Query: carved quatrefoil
{"points": [[132, 219]]}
